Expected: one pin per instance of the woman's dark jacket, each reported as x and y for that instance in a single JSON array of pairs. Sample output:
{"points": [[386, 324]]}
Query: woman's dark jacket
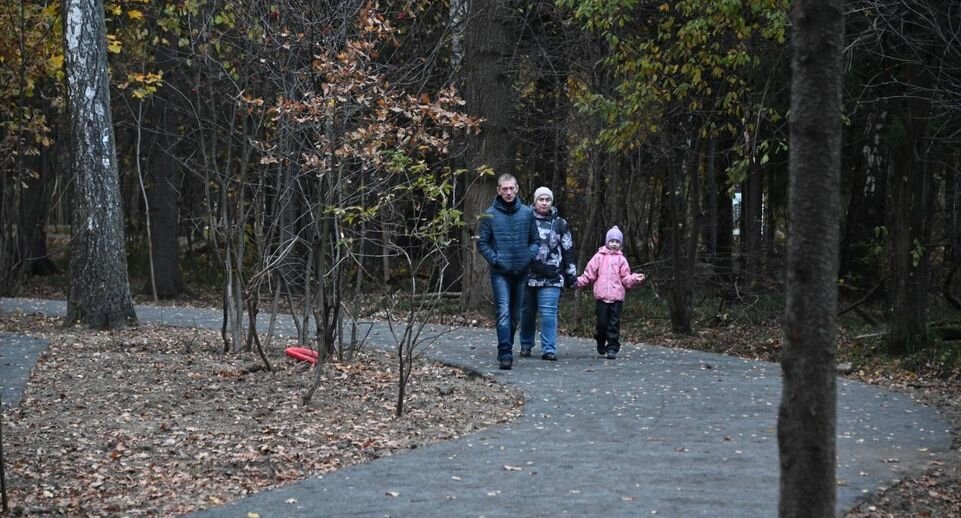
{"points": [[554, 263]]}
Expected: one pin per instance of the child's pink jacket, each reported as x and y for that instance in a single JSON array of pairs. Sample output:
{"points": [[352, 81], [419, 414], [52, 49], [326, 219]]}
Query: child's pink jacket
{"points": [[610, 273]]}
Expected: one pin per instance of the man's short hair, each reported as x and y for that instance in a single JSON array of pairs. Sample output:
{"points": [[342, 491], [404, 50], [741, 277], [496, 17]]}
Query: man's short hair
{"points": [[506, 177]]}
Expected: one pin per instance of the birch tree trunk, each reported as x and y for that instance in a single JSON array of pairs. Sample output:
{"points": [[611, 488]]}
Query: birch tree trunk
{"points": [[99, 291], [807, 419]]}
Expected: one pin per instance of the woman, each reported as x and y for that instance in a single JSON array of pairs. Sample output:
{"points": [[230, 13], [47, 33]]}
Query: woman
{"points": [[552, 269]]}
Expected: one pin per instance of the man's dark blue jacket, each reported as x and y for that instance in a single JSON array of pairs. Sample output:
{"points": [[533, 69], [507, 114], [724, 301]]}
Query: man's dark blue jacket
{"points": [[507, 236]]}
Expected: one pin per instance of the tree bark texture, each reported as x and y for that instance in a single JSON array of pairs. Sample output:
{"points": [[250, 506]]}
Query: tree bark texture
{"points": [[99, 291], [807, 418], [164, 205], [751, 224], [710, 199], [910, 182], [952, 211], [488, 45], [685, 227]]}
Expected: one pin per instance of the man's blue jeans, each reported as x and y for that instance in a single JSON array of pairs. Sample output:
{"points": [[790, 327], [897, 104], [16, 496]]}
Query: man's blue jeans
{"points": [[541, 299], [508, 294]]}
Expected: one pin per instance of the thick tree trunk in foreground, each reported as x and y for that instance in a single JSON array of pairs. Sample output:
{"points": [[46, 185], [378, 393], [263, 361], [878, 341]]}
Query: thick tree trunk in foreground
{"points": [[807, 418], [99, 291]]}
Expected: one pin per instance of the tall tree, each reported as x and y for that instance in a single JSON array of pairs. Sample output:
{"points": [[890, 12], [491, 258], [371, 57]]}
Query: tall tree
{"points": [[487, 87], [99, 291], [163, 204], [807, 416], [914, 65], [163, 195]]}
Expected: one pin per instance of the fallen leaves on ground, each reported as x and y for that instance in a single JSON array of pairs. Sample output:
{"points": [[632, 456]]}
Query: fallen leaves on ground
{"points": [[936, 492], [156, 421]]}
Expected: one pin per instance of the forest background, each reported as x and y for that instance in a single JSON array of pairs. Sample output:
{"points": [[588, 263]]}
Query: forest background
{"points": [[325, 158], [263, 149]]}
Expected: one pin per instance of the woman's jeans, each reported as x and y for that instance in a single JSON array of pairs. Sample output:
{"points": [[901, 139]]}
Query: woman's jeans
{"points": [[541, 299], [508, 292]]}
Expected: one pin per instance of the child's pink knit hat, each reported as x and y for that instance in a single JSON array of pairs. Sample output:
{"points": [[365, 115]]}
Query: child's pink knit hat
{"points": [[615, 234]]}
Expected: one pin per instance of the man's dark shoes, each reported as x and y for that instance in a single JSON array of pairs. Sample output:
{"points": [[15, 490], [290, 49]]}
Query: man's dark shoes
{"points": [[526, 353], [549, 357], [611, 354], [506, 363], [601, 351]]}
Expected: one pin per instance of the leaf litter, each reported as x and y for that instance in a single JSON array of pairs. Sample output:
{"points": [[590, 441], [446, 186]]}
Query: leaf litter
{"points": [[153, 421], [935, 492]]}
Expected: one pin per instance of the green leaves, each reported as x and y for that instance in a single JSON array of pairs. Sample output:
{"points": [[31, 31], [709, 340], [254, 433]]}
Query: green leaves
{"points": [[691, 58]]}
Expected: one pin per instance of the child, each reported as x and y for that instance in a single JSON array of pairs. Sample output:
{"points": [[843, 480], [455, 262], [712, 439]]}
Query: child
{"points": [[611, 275]]}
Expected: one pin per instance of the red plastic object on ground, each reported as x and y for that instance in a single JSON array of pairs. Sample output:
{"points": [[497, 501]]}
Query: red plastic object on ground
{"points": [[303, 354]]}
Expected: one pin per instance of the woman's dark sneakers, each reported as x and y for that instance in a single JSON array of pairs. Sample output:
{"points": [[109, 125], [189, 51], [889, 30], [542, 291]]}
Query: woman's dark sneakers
{"points": [[601, 350], [549, 356], [611, 354], [506, 363], [525, 353]]}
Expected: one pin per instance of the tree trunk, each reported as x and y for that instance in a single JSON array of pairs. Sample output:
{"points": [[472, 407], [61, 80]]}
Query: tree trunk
{"points": [[594, 229], [684, 235], [770, 225], [710, 199], [99, 290], [751, 226], [637, 187], [164, 207], [952, 213], [807, 418], [910, 186], [457, 16], [487, 92]]}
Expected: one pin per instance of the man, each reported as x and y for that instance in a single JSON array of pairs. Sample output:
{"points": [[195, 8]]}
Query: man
{"points": [[508, 240]]}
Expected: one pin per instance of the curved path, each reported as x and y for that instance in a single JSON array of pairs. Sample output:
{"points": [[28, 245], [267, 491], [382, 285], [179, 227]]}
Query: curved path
{"points": [[658, 431]]}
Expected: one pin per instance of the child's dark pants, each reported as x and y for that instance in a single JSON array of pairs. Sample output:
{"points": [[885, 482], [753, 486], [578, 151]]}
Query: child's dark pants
{"points": [[608, 330]]}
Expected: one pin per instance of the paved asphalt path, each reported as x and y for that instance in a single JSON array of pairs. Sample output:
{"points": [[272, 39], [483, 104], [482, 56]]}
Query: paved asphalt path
{"points": [[17, 356], [657, 432]]}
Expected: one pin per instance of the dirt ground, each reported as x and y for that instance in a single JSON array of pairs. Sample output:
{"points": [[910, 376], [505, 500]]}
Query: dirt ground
{"points": [[156, 421]]}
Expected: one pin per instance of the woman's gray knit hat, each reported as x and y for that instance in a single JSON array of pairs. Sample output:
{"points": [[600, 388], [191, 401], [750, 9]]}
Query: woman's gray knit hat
{"points": [[543, 191]]}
